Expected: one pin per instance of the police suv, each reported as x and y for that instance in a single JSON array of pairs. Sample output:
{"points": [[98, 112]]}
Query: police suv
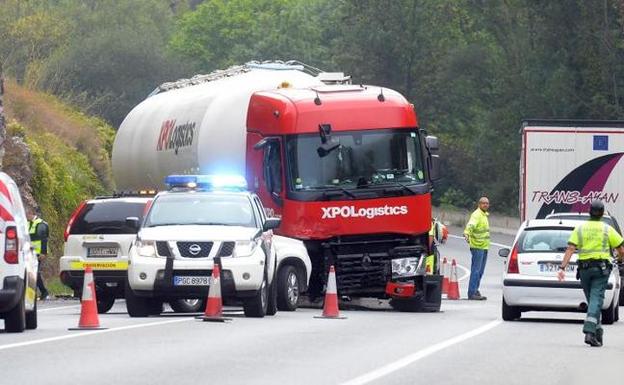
{"points": [[200, 219], [18, 264]]}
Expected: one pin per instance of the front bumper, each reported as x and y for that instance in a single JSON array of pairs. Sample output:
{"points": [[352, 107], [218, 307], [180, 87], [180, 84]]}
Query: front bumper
{"points": [[153, 277], [11, 292]]}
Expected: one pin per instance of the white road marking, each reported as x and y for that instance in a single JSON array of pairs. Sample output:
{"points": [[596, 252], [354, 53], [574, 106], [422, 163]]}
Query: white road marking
{"points": [[414, 357], [90, 333], [491, 243], [466, 273]]}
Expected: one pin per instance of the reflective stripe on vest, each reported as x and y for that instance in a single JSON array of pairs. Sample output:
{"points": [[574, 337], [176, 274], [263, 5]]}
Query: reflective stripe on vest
{"points": [[33, 230], [604, 252]]}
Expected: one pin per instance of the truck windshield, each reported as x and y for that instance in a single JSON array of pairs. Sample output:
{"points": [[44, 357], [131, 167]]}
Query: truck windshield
{"points": [[363, 159], [201, 209]]}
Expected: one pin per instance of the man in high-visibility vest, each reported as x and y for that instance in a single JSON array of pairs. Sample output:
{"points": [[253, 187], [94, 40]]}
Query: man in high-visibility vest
{"points": [[38, 230], [594, 241], [477, 234]]}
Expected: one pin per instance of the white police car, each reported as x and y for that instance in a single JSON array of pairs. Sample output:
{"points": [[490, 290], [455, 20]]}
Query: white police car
{"points": [[185, 229]]}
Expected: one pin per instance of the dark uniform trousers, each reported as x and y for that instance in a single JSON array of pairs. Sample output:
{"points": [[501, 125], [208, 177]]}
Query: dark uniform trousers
{"points": [[594, 282]]}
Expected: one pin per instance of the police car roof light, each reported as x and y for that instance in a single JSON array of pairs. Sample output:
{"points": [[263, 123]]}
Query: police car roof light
{"points": [[229, 182]]}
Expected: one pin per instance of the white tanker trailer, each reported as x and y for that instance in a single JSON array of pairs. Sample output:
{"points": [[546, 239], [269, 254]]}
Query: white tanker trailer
{"points": [[198, 128]]}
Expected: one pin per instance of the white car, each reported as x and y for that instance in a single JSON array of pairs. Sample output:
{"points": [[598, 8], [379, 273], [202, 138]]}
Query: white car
{"points": [[18, 265], [530, 278], [187, 228], [97, 236]]}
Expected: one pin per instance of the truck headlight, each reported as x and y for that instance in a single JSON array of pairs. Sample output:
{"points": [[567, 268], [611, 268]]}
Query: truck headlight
{"points": [[245, 248], [146, 248], [404, 267]]}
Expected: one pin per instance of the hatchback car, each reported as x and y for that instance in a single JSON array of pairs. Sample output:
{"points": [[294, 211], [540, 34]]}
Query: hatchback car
{"points": [[530, 278]]}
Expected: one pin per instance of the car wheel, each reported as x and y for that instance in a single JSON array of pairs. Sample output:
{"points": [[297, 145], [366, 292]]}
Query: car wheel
{"points": [[15, 319], [105, 302], [411, 305], [621, 300], [31, 317], [510, 313], [287, 289], [136, 306], [272, 304], [189, 305], [608, 314], [155, 306], [617, 313], [257, 305]]}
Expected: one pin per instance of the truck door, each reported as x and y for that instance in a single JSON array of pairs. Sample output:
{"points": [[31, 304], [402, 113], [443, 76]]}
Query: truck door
{"points": [[266, 172]]}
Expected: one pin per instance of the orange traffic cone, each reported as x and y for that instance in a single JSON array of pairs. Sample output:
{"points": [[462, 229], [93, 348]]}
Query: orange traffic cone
{"points": [[446, 276], [453, 289], [88, 312], [330, 306], [214, 304]]}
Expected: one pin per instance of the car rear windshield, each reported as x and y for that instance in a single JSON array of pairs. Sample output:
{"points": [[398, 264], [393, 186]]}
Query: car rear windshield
{"points": [[107, 217], [544, 240], [575, 217]]}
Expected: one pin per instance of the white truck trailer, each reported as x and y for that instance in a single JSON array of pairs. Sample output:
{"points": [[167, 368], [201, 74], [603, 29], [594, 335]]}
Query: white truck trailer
{"points": [[565, 164]]}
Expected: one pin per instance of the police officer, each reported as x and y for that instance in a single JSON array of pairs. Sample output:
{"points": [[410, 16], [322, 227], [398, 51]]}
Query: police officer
{"points": [[38, 230], [594, 241]]}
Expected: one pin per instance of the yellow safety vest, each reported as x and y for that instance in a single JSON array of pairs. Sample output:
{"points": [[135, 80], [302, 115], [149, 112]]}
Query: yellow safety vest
{"points": [[594, 239], [478, 230], [32, 230]]}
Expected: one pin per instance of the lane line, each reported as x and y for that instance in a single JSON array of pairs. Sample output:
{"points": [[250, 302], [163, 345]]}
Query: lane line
{"points": [[90, 333], [491, 243], [419, 355]]}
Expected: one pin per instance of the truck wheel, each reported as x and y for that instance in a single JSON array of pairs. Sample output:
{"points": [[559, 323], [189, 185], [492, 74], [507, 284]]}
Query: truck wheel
{"points": [[136, 306], [510, 313], [15, 319], [287, 289], [31, 317], [608, 315], [411, 305], [188, 305], [257, 305], [105, 302]]}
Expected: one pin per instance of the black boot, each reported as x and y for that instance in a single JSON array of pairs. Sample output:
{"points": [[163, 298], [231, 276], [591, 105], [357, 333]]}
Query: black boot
{"points": [[599, 333], [591, 340]]}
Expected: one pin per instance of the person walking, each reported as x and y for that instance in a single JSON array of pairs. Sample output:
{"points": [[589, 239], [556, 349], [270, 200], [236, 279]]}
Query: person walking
{"points": [[38, 230], [594, 241], [477, 234]]}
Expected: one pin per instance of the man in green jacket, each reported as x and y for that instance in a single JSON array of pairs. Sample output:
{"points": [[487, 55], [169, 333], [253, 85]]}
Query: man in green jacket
{"points": [[477, 234]]}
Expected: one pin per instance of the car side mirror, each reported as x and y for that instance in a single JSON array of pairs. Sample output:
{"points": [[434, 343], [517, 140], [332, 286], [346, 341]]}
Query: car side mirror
{"points": [[133, 223], [271, 223], [504, 252]]}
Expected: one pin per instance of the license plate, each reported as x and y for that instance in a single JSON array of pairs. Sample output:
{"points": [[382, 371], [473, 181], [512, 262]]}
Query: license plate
{"points": [[548, 267], [102, 252], [191, 281]]}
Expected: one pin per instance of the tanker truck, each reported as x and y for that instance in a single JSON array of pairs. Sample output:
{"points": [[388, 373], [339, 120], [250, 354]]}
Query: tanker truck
{"points": [[346, 167]]}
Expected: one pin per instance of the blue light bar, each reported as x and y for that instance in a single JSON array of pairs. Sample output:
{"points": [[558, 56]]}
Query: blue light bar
{"points": [[210, 182]]}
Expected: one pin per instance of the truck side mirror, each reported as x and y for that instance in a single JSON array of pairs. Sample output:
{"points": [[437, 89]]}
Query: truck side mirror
{"points": [[433, 160], [503, 252], [271, 223], [133, 223]]}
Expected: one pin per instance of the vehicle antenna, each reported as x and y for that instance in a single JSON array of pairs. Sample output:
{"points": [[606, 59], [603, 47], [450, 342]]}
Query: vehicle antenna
{"points": [[381, 96]]}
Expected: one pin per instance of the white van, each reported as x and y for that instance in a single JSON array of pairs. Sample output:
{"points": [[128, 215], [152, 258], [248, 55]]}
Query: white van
{"points": [[18, 265]]}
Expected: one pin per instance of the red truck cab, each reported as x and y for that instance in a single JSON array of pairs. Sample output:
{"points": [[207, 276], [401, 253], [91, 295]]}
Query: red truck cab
{"points": [[349, 171]]}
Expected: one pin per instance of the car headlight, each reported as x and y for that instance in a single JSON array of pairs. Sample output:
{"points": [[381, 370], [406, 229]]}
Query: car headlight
{"points": [[404, 267], [146, 248], [245, 248]]}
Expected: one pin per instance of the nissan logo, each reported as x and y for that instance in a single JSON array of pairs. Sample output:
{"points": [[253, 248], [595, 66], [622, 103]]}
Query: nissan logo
{"points": [[194, 249]]}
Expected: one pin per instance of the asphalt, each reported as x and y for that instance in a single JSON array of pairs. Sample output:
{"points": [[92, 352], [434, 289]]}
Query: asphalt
{"points": [[465, 343]]}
